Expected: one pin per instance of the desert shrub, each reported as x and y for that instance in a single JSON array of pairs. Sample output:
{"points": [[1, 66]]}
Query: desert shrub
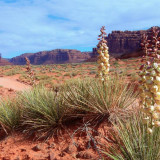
{"points": [[44, 111], [132, 142], [10, 115], [7, 67], [116, 64], [73, 74], [92, 72], [12, 72], [42, 77], [74, 65], [67, 74], [93, 96], [24, 76], [46, 83]]}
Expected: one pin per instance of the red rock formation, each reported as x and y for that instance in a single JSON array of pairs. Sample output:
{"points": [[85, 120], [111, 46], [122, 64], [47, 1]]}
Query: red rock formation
{"points": [[4, 62], [52, 57], [126, 44]]}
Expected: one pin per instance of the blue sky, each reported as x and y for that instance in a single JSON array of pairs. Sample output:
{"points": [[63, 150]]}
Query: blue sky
{"points": [[35, 25]]}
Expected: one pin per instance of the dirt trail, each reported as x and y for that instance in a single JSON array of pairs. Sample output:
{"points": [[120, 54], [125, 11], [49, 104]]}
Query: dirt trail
{"points": [[8, 82]]}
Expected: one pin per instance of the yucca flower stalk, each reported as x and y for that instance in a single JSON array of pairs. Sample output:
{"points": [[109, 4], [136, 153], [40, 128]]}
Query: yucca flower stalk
{"points": [[103, 58], [150, 81], [30, 71]]}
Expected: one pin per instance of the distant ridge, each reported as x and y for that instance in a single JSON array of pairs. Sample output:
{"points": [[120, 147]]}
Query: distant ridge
{"points": [[56, 56], [4, 62]]}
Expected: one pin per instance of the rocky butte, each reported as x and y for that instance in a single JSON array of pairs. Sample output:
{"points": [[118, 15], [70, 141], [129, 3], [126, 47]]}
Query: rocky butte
{"points": [[125, 44], [56, 56]]}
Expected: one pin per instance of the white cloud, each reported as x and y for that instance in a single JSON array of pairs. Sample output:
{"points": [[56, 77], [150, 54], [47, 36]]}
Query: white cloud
{"points": [[27, 26]]}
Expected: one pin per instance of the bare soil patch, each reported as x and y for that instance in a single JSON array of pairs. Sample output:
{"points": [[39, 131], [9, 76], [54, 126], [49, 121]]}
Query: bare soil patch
{"points": [[10, 83], [66, 146]]}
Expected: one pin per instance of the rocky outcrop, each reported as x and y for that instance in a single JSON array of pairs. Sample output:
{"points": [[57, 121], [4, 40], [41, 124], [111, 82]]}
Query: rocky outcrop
{"points": [[126, 44], [4, 62], [56, 56]]}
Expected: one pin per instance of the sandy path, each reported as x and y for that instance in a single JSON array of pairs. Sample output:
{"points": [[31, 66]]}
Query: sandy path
{"points": [[8, 82]]}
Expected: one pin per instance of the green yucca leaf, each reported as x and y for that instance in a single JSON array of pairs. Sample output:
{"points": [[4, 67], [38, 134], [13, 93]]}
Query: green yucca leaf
{"points": [[133, 142], [43, 110], [94, 96], [10, 114]]}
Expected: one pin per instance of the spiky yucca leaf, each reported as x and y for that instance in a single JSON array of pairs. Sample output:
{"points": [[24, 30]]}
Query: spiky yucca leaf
{"points": [[132, 142], [43, 111], [10, 114], [94, 96]]}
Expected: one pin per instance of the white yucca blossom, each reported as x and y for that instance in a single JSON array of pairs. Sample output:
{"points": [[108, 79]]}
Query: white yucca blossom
{"points": [[103, 58], [150, 86], [150, 95], [149, 130]]}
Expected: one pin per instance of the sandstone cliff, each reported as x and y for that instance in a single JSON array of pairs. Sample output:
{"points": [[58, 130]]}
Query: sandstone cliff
{"points": [[125, 44], [56, 56]]}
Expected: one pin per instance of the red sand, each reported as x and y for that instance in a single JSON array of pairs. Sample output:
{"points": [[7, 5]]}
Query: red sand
{"points": [[10, 83], [16, 147]]}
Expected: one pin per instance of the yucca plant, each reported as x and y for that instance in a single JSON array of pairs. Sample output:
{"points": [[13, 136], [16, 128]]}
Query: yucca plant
{"points": [[10, 115], [44, 111], [75, 90], [103, 98], [150, 81], [132, 142], [30, 72]]}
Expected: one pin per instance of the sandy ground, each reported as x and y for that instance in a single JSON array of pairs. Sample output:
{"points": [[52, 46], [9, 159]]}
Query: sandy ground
{"points": [[63, 147], [10, 83]]}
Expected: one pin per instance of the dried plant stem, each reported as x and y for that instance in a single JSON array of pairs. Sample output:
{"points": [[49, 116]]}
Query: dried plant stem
{"points": [[30, 72]]}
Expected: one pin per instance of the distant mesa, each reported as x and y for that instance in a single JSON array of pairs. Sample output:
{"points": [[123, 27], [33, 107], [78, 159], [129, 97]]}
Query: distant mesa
{"points": [[57, 56]]}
